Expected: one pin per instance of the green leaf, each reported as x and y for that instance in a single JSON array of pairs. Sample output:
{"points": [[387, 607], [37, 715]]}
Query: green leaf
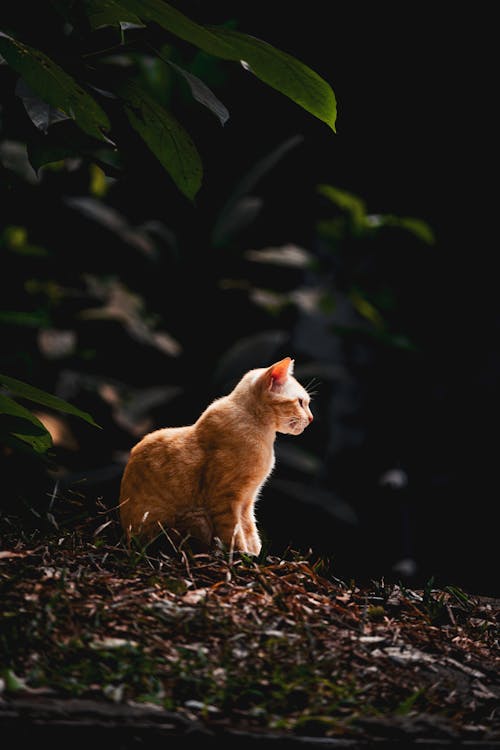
{"points": [[202, 93], [65, 142], [346, 201], [41, 114], [110, 13], [23, 425], [417, 227], [13, 683], [181, 26], [41, 153], [166, 138], [42, 397], [408, 703], [55, 86], [23, 318], [460, 595], [366, 309], [370, 222], [278, 69], [284, 73]]}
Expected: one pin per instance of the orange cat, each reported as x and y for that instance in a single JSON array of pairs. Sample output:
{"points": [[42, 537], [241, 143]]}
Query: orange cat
{"points": [[204, 479]]}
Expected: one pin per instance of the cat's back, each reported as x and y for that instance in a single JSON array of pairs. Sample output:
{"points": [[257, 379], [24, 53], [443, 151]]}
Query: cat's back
{"points": [[166, 437], [163, 445]]}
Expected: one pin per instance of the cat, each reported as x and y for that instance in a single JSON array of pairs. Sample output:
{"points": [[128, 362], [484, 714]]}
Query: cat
{"points": [[203, 480]]}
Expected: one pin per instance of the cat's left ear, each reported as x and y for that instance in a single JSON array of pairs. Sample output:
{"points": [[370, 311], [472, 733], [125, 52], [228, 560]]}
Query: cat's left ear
{"points": [[275, 376]]}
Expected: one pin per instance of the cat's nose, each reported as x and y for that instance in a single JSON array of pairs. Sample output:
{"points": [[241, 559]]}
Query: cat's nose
{"points": [[310, 417]]}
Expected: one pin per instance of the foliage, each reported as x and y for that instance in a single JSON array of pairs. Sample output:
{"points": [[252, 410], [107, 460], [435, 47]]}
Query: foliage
{"points": [[19, 427], [131, 335], [52, 95], [139, 306], [88, 85]]}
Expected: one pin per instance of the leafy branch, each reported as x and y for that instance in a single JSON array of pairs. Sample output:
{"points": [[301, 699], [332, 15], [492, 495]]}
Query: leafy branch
{"points": [[83, 88], [19, 427]]}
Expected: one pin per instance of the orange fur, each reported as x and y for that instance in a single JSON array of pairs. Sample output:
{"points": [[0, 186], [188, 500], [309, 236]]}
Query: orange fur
{"points": [[204, 479]]}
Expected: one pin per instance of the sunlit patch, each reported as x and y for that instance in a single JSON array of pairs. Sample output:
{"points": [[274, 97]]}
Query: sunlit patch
{"points": [[245, 65]]}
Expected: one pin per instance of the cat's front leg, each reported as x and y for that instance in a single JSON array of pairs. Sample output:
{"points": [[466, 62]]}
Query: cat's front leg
{"points": [[228, 527], [252, 538]]}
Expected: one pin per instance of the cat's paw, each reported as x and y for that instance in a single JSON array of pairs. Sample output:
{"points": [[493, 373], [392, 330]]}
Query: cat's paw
{"points": [[253, 547]]}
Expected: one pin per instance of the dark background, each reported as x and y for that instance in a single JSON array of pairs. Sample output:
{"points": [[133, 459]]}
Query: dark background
{"points": [[414, 137], [412, 140]]}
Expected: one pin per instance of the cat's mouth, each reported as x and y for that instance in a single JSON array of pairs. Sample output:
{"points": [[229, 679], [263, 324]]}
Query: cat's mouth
{"points": [[296, 427]]}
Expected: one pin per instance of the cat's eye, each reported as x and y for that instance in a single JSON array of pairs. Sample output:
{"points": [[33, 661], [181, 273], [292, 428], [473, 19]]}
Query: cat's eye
{"points": [[301, 403]]}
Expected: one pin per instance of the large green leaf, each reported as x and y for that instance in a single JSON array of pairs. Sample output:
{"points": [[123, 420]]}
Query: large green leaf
{"points": [[22, 424], [55, 86], [109, 13], [284, 73], [181, 26], [166, 138], [31, 393], [276, 68]]}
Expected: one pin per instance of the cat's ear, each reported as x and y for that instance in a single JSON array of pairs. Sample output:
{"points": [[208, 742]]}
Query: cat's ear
{"points": [[275, 376]]}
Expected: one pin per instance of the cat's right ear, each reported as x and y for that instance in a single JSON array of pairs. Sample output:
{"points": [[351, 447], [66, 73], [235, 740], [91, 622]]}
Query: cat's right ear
{"points": [[274, 378]]}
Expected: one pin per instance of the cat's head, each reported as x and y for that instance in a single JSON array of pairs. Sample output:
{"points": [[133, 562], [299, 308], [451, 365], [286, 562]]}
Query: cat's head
{"points": [[287, 400]]}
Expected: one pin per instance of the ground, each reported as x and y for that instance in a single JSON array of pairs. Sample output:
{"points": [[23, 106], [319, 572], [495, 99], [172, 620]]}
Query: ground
{"points": [[147, 644]]}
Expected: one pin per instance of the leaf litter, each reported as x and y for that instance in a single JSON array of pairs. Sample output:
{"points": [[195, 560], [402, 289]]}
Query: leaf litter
{"points": [[268, 645]]}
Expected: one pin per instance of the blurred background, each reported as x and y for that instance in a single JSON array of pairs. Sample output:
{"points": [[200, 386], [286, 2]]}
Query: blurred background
{"points": [[362, 254]]}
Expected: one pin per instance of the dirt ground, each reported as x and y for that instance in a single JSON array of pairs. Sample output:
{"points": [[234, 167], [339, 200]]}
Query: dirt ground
{"points": [[135, 646]]}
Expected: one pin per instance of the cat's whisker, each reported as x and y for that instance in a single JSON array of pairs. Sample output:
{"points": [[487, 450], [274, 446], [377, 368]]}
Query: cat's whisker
{"points": [[313, 383]]}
